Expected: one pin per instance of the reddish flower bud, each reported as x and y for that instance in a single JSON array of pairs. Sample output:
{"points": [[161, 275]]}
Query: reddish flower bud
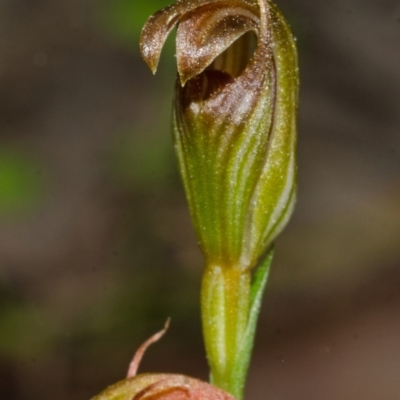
{"points": [[163, 387], [160, 386]]}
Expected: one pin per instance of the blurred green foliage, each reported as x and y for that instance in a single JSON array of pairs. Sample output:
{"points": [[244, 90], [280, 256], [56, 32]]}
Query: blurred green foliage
{"points": [[144, 161], [125, 18], [20, 182], [14, 340]]}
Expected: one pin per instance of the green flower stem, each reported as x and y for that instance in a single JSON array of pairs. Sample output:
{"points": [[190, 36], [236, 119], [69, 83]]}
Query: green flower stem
{"points": [[231, 301], [225, 307]]}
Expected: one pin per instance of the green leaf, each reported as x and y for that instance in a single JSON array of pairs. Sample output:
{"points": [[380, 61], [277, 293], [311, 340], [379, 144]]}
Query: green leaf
{"points": [[244, 355]]}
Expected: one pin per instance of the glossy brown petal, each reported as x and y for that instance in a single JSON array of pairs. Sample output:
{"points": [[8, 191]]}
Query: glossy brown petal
{"points": [[158, 27], [155, 33], [207, 31]]}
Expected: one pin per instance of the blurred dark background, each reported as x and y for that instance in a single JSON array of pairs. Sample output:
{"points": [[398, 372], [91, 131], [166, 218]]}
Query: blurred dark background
{"points": [[96, 246]]}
